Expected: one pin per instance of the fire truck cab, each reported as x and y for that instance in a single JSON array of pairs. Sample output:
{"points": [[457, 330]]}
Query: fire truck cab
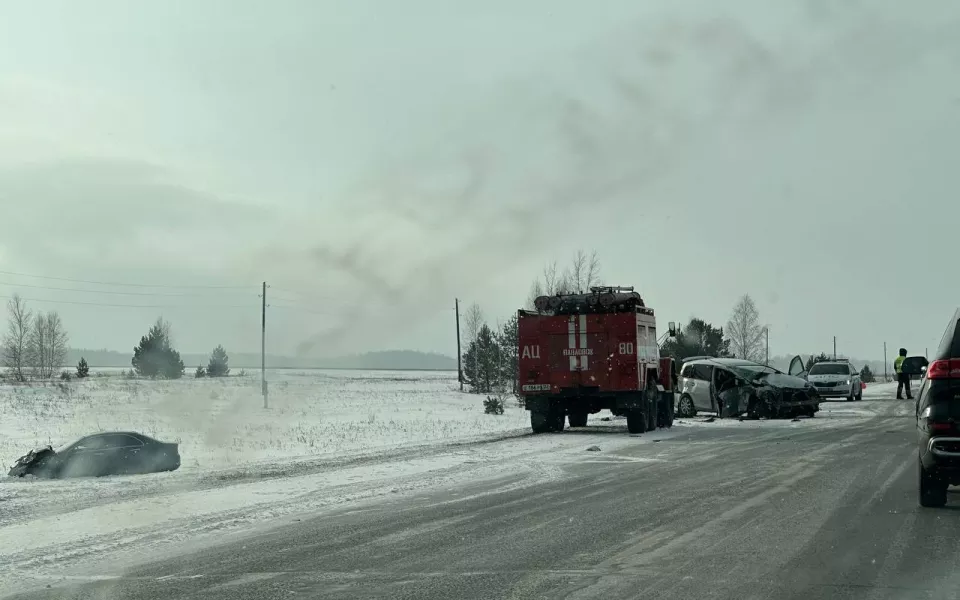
{"points": [[582, 353]]}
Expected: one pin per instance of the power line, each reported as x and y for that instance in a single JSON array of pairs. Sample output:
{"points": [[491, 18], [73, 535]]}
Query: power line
{"points": [[304, 295], [300, 308], [187, 306], [215, 306], [110, 292], [138, 285]]}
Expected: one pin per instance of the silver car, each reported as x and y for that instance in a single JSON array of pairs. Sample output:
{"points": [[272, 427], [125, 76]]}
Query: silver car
{"points": [[836, 379]]}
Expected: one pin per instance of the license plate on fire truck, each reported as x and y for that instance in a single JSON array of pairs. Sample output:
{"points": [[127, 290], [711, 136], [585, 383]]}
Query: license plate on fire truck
{"points": [[536, 387]]}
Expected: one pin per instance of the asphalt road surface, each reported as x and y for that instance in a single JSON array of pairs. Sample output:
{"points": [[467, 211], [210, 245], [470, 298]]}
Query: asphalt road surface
{"points": [[806, 511]]}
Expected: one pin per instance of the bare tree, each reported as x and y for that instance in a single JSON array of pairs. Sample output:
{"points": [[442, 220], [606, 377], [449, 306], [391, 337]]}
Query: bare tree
{"points": [[536, 290], [472, 322], [165, 329], [58, 341], [16, 341], [745, 331], [551, 280], [583, 272], [37, 346], [593, 271], [47, 345]]}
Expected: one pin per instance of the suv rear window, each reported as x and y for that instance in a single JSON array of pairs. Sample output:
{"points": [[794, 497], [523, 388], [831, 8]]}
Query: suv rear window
{"points": [[830, 369], [949, 341]]}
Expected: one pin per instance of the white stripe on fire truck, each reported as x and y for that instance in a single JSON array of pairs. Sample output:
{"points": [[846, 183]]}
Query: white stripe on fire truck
{"points": [[572, 341], [583, 341]]}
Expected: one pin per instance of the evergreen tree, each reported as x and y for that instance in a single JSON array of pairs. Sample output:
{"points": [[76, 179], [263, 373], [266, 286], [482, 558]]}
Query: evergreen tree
{"points": [[481, 363], [218, 365], [83, 369], [698, 338], [815, 359], [510, 351], [866, 375], [154, 357]]}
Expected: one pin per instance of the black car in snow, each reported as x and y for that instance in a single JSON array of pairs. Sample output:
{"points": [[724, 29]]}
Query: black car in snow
{"points": [[938, 419], [110, 453]]}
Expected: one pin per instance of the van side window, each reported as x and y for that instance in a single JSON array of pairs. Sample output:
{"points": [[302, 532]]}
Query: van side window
{"points": [[703, 372]]}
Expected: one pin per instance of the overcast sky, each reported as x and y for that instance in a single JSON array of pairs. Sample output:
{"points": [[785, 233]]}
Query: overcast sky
{"points": [[372, 160]]}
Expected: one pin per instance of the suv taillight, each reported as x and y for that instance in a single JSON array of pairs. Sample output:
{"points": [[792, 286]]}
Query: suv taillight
{"points": [[937, 424], [944, 369]]}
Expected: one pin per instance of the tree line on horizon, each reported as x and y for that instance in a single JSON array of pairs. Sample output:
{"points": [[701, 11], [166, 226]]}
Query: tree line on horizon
{"points": [[35, 346]]}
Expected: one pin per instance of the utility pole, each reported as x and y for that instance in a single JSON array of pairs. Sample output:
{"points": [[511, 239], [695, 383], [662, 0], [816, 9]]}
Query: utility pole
{"points": [[500, 384], [263, 344], [456, 308], [884, 361], [834, 347], [766, 331]]}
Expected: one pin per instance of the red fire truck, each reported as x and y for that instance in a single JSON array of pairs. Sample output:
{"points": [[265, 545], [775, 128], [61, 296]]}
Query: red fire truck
{"points": [[582, 353]]}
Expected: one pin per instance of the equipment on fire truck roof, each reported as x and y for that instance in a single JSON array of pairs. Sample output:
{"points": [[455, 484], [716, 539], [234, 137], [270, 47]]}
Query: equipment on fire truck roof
{"points": [[600, 299]]}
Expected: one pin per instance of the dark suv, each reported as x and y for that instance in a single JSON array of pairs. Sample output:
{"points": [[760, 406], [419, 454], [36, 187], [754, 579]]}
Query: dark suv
{"points": [[938, 419]]}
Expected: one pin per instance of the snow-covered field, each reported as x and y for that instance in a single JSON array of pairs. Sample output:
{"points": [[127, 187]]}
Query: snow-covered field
{"points": [[221, 422], [329, 439]]}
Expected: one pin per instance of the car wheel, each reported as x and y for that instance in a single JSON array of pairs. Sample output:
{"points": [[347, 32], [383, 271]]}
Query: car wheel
{"points": [[686, 408], [860, 394], [933, 490]]}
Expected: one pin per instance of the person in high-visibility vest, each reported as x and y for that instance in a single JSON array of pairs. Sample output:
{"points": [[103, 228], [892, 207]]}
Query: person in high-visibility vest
{"points": [[903, 379]]}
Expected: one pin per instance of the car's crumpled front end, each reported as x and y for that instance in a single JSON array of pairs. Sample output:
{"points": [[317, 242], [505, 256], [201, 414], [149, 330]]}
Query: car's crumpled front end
{"points": [[33, 463], [770, 396], [797, 400]]}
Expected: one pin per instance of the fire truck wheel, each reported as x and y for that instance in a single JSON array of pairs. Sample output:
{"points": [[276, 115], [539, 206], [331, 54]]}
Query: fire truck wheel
{"points": [[558, 420], [653, 402], [636, 421], [540, 422], [665, 414], [578, 419]]}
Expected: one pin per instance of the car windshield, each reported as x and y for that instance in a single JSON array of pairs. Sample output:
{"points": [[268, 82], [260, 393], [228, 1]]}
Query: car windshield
{"points": [[752, 372], [65, 447], [830, 369]]}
